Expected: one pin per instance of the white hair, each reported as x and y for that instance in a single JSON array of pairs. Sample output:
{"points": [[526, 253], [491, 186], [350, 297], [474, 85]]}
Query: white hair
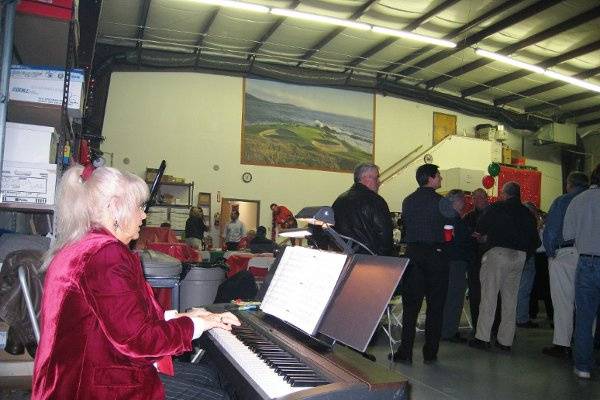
{"points": [[107, 195]]}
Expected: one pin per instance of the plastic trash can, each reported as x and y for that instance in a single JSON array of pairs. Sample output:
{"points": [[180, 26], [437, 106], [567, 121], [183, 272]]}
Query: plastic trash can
{"points": [[200, 286]]}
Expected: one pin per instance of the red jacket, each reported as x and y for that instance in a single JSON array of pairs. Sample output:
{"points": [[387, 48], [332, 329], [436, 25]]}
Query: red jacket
{"points": [[101, 328], [283, 216]]}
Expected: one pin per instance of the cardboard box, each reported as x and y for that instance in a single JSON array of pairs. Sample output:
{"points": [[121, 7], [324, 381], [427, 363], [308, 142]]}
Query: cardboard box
{"points": [[521, 161], [487, 132], [61, 9], [3, 334], [32, 183], [157, 215], [496, 152], [506, 155], [45, 85], [41, 40], [30, 143]]}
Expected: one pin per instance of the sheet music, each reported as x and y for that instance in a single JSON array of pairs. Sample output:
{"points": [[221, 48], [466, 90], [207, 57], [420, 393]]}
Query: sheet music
{"points": [[302, 286]]}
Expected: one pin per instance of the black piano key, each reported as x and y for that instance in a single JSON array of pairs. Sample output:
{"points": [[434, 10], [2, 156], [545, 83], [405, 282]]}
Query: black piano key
{"points": [[299, 374], [311, 381], [285, 361], [289, 363], [294, 371], [307, 383]]}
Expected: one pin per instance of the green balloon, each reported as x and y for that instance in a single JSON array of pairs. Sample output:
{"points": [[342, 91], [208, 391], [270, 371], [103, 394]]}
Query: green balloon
{"points": [[494, 169]]}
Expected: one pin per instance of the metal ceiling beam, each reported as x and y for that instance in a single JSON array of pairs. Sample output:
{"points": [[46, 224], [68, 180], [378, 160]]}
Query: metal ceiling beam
{"points": [[589, 122], [271, 30], [538, 37], [579, 113], [410, 27], [203, 31], [555, 84], [561, 101], [458, 31], [329, 37], [513, 19], [522, 73], [144, 8]]}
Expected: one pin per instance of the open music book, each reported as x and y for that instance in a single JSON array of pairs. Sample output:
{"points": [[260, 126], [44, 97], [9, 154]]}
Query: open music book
{"points": [[302, 286], [331, 294]]}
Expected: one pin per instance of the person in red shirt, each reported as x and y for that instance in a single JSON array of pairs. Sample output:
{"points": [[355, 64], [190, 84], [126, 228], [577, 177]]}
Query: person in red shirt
{"points": [[282, 219]]}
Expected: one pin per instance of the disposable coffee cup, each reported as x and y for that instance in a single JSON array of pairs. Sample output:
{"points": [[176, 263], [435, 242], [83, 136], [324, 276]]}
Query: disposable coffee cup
{"points": [[448, 232]]}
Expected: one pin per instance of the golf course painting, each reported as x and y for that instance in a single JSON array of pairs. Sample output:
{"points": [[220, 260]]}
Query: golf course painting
{"points": [[309, 127]]}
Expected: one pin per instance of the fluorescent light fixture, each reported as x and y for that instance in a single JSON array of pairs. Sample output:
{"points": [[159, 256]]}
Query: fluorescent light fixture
{"points": [[508, 60], [573, 81], [413, 36], [236, 4], [296, 233], [320, 18]]}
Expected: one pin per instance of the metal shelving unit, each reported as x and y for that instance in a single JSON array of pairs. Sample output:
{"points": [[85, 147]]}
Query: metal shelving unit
{"points": [[173, 212], [36, 40]]}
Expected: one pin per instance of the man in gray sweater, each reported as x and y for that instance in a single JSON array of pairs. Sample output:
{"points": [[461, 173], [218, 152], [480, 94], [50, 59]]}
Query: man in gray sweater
{"points": [[582, 223]]}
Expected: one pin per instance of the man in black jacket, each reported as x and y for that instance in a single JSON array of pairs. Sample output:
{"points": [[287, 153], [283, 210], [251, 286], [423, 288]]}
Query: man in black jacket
{"points": [[427, 273], [480, 204], [510, 230], [363, 215]]}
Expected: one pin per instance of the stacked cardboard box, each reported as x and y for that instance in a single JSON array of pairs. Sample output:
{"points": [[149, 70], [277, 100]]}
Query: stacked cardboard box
{"points": [[29, 172], [44, 85]]}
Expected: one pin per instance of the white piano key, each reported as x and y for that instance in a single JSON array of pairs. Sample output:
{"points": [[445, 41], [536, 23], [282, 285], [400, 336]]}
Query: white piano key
{"points": [[273, 385]]}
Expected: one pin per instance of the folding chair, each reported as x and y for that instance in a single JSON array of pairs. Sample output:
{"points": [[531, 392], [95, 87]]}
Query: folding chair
{"points": [[393, 319], [258, 267]]}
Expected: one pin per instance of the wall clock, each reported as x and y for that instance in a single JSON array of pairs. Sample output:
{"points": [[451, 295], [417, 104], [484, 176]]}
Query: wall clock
{"points": [[246, 177]]}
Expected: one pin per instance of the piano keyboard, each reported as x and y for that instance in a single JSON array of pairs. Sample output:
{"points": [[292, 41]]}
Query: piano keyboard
{"points": [[273, 371]]}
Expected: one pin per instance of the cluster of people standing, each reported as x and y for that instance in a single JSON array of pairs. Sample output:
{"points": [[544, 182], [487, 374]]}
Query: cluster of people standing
{"points": [[492, 250]]}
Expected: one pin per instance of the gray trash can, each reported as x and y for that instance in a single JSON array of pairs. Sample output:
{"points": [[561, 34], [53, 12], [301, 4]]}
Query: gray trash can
{"points": [[200, 286]]}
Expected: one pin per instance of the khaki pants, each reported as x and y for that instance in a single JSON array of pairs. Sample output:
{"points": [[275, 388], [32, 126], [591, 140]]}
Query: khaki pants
{"points": [[501, 270], [562, 270]]}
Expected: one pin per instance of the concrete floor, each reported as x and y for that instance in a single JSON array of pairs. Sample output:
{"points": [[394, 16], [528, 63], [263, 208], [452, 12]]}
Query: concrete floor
{"points": [[466, 373]]}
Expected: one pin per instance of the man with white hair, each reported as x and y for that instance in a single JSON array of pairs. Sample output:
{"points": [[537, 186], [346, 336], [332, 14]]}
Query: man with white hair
{"points": [[510, 231], [364, 215]]}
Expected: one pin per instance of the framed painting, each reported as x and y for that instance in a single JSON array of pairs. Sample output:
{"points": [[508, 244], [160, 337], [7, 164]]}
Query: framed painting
{"points": [[443, 125], [311, 127]]}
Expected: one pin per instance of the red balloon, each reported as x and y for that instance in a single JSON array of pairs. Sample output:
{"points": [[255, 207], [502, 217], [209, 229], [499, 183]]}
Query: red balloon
{"points": [[488, 181]]}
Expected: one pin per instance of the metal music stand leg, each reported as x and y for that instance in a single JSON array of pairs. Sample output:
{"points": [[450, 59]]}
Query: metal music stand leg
{"points": [[29, 303]]}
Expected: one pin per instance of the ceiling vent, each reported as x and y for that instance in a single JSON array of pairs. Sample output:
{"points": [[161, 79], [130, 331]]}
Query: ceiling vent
{"points": [[564, 134]]}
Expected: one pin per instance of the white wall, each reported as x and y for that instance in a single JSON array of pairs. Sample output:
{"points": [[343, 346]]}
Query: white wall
{"points": [[453, 152], [194, 122], [547, 160]]}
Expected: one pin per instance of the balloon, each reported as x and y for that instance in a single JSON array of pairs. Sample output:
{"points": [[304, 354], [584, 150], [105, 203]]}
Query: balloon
{"points": [[488, 181], [494, 169]]}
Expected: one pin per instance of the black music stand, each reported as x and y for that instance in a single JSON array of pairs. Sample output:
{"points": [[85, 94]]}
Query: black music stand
{"points": [[361, 299]]}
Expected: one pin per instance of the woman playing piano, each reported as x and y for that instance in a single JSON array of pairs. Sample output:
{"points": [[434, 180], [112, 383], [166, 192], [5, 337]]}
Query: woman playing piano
{"points": [[103, 334]]}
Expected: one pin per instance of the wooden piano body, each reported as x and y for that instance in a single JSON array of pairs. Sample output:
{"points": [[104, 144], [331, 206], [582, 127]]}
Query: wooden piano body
{"points": [[351, 376]]}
